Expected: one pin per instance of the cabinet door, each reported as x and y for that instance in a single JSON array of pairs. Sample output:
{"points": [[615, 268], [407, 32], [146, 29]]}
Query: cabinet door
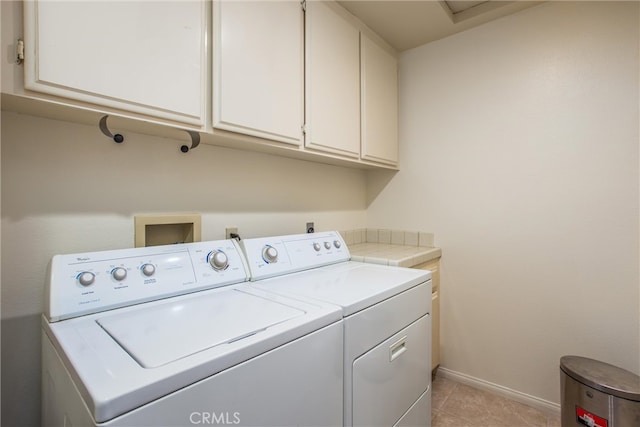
{"points": [[379, 103], [258, 69], [434, 267], [137, 56], [332, 81], [435, 329]]}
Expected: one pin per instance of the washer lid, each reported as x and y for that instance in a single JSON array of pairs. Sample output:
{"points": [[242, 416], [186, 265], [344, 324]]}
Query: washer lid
{"points": [[602, 376], [196, 336], [172, 331]]}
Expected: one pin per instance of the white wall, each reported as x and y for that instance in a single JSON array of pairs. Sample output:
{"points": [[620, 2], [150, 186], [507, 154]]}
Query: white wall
{"points": [[68, 188], [519, 150]]}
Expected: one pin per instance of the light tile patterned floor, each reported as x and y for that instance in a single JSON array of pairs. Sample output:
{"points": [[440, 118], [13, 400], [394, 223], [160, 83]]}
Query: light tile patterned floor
{"points": [[457, 405]]}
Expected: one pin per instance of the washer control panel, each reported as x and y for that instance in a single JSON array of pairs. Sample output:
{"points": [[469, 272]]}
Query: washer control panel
{"points": [[274, 256], [85, 283]]}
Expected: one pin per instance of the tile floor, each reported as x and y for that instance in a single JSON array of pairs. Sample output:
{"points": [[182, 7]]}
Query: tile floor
{"points": [[458, 405]]}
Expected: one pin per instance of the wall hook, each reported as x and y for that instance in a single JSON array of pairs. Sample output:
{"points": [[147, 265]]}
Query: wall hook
{"points": [[19, 51], [105, 130], [195, 141]]}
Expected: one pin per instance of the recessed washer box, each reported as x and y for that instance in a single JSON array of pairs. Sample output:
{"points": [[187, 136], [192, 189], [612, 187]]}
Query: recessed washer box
{"points": [[154, 230]]}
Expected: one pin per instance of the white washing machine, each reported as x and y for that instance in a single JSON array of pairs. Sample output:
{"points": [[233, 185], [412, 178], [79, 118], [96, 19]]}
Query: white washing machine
{"points": [[387, 326], [171, 336]]}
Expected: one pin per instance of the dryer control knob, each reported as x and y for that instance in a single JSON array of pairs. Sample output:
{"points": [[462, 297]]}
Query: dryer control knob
{"points": [[86, 278], [337, 244], [148, 269], [218, 260], [327, 245], [119, 273], [316, 247], [270, 254]]}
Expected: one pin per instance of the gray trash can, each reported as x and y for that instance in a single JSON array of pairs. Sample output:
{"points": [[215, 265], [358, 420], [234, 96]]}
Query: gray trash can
{"points": [[597, 394]]}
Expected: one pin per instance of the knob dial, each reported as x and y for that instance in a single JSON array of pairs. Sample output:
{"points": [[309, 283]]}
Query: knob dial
{"points": [[218, 260], [327, 245], [119, 273], [148, 269], [270, 254], [86, 278], [316, 247], [337, 244]]}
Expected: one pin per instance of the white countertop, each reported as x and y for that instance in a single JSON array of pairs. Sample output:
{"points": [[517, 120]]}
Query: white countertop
{"points": [[390, 254]]}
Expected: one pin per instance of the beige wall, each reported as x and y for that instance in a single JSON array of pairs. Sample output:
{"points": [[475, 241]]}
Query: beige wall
{"points": [[519, 150], [67, 188]]}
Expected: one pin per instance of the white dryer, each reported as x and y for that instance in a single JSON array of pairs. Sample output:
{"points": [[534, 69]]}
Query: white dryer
{"points": [[387, 326], [171, 336]]}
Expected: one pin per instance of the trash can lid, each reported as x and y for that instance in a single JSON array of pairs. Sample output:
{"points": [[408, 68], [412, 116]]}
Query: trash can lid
{"points": [[602, 376]]}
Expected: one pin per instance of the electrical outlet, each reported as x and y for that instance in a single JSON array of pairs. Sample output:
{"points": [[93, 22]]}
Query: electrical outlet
{"points": [[230, 230], [310, 228]]}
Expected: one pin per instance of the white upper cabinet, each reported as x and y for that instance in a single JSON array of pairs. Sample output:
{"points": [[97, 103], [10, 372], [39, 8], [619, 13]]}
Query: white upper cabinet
{"points": [[258, 63], [139, 56], [308, 80], [332, 81], [379, 103]]}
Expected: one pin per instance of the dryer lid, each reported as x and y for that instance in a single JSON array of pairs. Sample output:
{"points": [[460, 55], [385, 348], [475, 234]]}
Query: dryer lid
{"points": [[353, 286], [172, 331]]}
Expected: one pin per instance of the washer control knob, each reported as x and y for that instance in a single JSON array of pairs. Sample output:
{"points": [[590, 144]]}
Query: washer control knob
{"points": [[119, 273], [148, 269], [270, 254], [218, 260], [316, 247], [86, 278], [327, 245], [337, 244]]}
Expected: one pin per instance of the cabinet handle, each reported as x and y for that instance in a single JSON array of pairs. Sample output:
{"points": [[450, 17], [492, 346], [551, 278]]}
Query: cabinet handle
{"points": [[397, 348]]}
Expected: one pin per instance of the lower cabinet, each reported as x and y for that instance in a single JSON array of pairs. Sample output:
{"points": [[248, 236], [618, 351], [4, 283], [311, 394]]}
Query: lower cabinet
{"points": [[434, 267]]}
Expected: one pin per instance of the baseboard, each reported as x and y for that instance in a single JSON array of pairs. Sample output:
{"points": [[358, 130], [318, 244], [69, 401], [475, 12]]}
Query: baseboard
{"points": [[545, 406]]}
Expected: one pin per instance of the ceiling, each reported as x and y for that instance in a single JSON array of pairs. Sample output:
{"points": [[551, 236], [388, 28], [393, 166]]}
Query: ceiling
{"points": [[408, 24]]}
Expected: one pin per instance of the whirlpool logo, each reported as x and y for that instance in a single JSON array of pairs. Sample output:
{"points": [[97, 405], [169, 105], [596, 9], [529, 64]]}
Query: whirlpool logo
{"points": [[214, 418]]}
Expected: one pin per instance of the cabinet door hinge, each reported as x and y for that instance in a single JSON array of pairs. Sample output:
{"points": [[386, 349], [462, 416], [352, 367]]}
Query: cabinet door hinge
{"points": [[303, 3], [304, 130], [19, 51]]}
